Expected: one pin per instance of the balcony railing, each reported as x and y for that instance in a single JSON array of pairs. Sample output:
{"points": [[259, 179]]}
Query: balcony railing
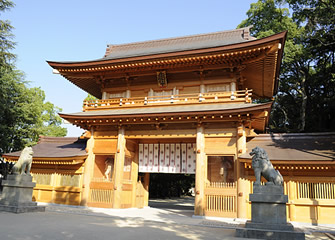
{"points": [[213, 97]]}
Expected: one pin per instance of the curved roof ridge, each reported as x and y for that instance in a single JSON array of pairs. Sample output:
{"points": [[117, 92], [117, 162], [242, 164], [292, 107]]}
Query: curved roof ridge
{"points": [[163, 45], [181, 37]]}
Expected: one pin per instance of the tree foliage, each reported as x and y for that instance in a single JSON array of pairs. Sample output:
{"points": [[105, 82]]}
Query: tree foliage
{"points": [[6, 43], [24, 114], [90, 98], [318, 17], [305, 100]]}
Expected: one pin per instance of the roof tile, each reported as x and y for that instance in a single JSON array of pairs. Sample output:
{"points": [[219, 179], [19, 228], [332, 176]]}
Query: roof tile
{"points": [[199, 41]]}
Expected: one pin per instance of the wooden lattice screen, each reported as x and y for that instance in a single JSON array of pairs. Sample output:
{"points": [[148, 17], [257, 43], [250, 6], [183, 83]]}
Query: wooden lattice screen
{"points": [[316, 190]]}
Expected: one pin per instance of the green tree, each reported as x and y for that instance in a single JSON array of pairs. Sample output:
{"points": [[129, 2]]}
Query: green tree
{"points": [[90, 98], [302, 101], [42, 116], [23, 113], [318, 18], [6, 43]]}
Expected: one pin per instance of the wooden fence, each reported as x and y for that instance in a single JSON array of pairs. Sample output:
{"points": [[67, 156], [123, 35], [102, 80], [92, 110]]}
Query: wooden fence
{"points": [[310, 200], [310, 190], [101, 194], [57, 188], [221, 200], [140, 195]]}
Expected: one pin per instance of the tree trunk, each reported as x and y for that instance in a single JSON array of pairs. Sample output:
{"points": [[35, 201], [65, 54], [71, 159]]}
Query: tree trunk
{"points": [[303, 104]]}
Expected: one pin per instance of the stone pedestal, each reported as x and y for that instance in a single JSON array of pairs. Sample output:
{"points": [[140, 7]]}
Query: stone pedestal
{"points": [[17, 195], [268, 215]]}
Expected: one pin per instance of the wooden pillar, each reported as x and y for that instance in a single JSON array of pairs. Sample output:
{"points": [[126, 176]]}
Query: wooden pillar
{"points": [[202, 85], [146, 182], [128, 93], [202, 88], [242, 183], [104, 95], [200, 172], [233, 86], [134, 176], [118, 167], [88, 170], [291, 199]]}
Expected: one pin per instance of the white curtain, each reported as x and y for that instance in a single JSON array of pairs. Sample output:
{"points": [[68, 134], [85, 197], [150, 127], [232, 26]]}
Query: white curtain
{"points": [[167, 158]]}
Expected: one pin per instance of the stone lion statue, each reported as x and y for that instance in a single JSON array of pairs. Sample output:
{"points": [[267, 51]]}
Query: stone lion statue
{"points": [[23, 165], [263, 167]]}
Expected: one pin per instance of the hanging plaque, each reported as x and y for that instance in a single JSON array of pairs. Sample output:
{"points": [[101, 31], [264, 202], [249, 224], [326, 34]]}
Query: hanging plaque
{"points": [[161, 79]]}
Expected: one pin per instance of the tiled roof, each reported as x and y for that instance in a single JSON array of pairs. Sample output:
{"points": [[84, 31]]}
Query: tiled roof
{"points": [[56, 147], [199, 41], [295, 146]]}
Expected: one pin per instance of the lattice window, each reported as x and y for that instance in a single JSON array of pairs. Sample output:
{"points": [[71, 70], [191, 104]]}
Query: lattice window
{"points": [[42, 178], [218, 88], [316, 190], [69, 180], [116, 95], [164, 93], [101, 196]]}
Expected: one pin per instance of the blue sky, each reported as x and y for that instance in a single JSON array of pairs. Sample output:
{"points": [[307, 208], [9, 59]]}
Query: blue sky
{"points": [[71, 30]]}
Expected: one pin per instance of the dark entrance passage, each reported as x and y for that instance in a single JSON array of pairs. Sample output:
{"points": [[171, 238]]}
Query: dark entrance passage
{"points": [[173, 191]]}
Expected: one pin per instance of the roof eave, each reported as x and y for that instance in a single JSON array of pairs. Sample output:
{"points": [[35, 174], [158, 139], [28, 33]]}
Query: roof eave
{"points": [[265, 106]]}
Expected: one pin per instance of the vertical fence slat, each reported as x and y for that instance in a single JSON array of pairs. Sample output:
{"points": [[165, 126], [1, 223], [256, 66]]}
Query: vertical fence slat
{"points": [[321, 190]]}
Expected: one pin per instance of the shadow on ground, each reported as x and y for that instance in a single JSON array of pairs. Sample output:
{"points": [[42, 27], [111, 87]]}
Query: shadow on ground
{"points": [[183, 203]]}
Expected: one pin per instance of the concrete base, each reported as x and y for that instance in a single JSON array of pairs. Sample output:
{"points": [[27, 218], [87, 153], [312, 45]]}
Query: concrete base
{"points": [[269, 234], [268, 204], [21, 209], [268, 215], [281, 227], [17, 194]]}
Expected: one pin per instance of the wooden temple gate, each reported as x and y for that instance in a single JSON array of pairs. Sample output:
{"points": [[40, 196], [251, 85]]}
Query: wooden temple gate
{"points": [[168, 156], [197, 99]]}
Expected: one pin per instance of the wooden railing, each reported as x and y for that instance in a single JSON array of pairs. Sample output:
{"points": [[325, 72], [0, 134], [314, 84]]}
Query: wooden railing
{"points": [[221, 185], [215, 97], [221, 199]]}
